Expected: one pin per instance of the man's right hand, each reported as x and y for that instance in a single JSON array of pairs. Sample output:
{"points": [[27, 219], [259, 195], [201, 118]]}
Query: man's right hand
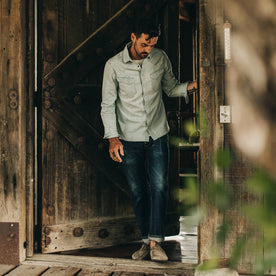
{"points": [[116, 149]]}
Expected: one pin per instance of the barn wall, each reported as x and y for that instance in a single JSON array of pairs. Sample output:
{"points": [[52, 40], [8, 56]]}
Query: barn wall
{"points": [[16, 128]]}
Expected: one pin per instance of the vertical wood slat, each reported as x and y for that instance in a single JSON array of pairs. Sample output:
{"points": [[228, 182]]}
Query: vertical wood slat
{"points": [[212, 69], [30, 150], [15, 165], [208, 228]]}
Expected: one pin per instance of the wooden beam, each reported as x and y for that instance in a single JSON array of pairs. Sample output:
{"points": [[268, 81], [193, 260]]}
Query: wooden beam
{"points": [[208, 229], [72, 236]]}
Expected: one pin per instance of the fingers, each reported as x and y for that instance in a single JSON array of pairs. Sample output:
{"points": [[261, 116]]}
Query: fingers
{"points": [[116, 150]]}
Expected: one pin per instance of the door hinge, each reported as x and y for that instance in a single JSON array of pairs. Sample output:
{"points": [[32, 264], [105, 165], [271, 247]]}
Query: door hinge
{"points": [[36, 98]]}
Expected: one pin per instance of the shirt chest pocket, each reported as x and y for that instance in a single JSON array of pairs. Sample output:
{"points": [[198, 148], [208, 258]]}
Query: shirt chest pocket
{"points": [[126, 84], [156, 78]]}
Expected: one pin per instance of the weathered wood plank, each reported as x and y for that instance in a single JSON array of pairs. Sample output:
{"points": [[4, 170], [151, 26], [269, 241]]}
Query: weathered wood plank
{"points": [[90, 234], [30, 130], [4, 269], [30, 270], [14, 116], [61, 271], [112, 264], [92, 273], [207, 229]]}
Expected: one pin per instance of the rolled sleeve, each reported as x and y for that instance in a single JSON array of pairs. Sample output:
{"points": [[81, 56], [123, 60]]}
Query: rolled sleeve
{"points": [[108, 105]]}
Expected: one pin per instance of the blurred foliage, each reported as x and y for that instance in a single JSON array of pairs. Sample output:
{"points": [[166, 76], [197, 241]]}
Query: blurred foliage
{"points": [[260, 214]]}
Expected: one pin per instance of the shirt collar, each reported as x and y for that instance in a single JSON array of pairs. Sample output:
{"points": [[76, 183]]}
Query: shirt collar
{"points": [[126, 57]]}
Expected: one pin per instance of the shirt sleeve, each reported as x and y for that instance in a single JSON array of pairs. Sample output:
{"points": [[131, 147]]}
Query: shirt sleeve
{"points": [[108, 105], [170, 84]]}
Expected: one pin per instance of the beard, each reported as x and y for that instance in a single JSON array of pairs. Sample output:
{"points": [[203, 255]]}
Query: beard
{"points": [[142, 55]]}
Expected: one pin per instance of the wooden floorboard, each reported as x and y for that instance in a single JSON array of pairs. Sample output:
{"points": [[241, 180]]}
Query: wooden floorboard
{"points": [[91, 273], [62, 271], [4, 269], [30, 270], [108, 265]]}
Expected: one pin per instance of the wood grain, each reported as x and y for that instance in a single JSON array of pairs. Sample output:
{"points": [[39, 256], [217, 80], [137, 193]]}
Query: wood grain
{"points": [[29, 270]]}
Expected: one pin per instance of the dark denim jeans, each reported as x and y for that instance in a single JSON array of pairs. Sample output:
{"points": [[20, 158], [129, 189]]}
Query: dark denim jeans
{"points": [[145, 165]]}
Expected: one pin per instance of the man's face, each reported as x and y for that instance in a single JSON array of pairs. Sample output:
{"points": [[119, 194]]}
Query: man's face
{"points": [[142, 45]]}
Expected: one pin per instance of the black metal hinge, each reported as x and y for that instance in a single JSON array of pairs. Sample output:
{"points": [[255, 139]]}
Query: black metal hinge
{"points": [[36, 98]]}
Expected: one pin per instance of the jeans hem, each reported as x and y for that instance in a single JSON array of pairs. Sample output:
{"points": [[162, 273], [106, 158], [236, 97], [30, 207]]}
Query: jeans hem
{"points": [[156, 238]]}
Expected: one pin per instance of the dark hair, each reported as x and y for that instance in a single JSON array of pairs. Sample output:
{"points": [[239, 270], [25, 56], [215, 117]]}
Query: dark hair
{"points": [[146, 25]]}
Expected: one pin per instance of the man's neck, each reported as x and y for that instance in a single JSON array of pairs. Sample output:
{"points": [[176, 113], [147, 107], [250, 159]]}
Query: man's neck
{"points": [[132, 53]]}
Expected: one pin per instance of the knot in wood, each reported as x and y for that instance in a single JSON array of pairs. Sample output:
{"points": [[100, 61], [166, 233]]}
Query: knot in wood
{"points": [[13, 104], [47, 94], [47, 241], [13, 94], [78, 232], [51, 82], [50, 210], [47, 231], [47, 104], [49, 58], [103, 233], [50, 135]]}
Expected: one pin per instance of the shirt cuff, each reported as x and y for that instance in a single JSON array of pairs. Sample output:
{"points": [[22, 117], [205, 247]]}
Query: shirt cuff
{"points": [[111, 135], [186, 96]]}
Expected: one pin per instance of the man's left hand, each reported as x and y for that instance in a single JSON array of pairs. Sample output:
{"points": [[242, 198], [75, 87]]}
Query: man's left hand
{"points": [[192, 87]]}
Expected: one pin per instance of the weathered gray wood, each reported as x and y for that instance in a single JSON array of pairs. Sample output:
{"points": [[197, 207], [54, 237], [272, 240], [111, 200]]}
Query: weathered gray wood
{"points": [[207, 229], [211, 97], [96, 233], [4, 269], [112, 264], [62, 271], [30, 270]]}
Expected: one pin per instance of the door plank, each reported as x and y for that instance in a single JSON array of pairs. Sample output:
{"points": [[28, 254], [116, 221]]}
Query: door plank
{"points": [[90, 151], [5, 269], [62, 271], [30, 270], [91, 234]]}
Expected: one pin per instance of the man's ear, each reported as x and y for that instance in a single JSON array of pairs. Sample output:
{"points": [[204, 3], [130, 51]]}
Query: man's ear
{"points": [[132, 37]]}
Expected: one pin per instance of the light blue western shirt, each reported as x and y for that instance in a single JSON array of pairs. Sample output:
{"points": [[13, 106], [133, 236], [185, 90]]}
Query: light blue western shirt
{"points": [[132, 105]]}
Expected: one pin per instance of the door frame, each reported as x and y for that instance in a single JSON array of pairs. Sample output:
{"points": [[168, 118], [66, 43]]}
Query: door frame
{"points": [[33, 234]]}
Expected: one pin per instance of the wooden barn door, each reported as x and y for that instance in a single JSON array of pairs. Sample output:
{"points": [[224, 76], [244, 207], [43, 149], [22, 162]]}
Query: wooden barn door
{"points": [[84, 198]]}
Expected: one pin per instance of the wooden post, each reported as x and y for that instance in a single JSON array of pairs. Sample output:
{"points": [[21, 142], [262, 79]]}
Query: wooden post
{"points": [[216, 135], [208, 145], [16, 123]]}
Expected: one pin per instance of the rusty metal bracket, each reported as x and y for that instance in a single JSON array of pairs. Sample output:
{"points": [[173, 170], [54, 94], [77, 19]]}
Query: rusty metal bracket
{"points": [[9, 245]]}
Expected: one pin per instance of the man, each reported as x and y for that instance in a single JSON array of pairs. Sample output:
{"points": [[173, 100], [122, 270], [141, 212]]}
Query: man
{"points": [[135, 123]]}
